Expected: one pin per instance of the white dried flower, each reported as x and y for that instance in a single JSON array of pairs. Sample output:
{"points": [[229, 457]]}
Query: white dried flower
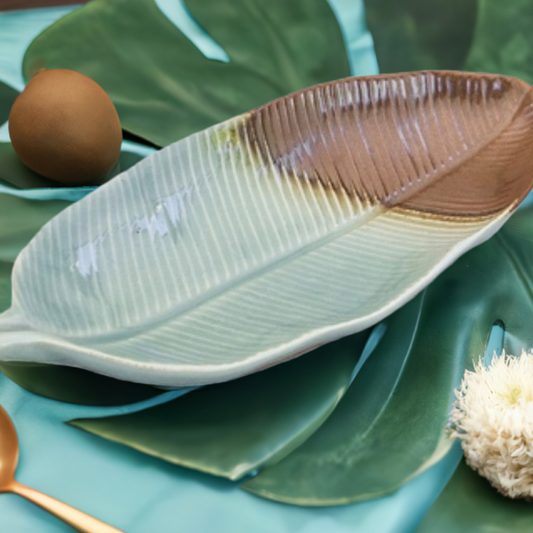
{"points": [[493, 416]]}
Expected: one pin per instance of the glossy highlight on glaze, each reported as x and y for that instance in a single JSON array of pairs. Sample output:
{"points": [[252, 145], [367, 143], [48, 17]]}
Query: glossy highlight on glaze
{"points": [[383, 139], [256, 240]]}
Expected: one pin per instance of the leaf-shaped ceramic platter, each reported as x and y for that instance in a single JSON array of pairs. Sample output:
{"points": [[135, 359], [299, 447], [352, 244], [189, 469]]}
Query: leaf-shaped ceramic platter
{"points": [[247, 244]]}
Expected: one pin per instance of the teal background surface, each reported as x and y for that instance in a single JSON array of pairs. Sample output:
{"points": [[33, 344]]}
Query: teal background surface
{"points": [[135, 492]]}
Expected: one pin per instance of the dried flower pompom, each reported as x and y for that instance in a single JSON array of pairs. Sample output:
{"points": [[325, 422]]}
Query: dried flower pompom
{"points": [[493, 415]]}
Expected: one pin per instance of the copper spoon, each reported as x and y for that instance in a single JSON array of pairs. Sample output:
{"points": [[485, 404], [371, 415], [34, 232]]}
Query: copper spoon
{"points": [[9, 454]]}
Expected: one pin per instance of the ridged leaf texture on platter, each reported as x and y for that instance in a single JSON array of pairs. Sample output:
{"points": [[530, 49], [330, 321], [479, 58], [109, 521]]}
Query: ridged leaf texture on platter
{"points": [[20, 219], [247, 244]]}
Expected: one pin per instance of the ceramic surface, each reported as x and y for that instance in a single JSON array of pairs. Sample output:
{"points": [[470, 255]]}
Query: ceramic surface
{"points": [[256, 240]]}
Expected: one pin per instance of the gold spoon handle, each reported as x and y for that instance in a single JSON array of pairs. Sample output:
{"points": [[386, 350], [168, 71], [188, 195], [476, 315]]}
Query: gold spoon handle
{"points": [[74, 518]]}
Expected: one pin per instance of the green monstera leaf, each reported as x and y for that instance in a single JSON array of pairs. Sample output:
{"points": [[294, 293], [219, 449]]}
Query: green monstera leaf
{"points": [[391, 423], [164, 88], [469, 504], [473, 35], [503, 39], [7, 96], [421, 34], [15, 173], [74, 385], [5, 285], [234, 428], [21, 219]]}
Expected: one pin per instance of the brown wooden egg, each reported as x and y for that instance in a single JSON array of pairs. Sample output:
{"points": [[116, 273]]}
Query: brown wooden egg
{"points": [[65, 127]]}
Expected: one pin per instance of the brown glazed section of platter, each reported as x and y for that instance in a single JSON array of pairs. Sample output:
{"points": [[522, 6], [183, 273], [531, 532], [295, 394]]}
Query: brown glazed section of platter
{"points": [[435, 144]]}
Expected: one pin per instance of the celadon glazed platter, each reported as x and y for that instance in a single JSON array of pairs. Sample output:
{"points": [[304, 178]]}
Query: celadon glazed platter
{"points": [[258, 239]]}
